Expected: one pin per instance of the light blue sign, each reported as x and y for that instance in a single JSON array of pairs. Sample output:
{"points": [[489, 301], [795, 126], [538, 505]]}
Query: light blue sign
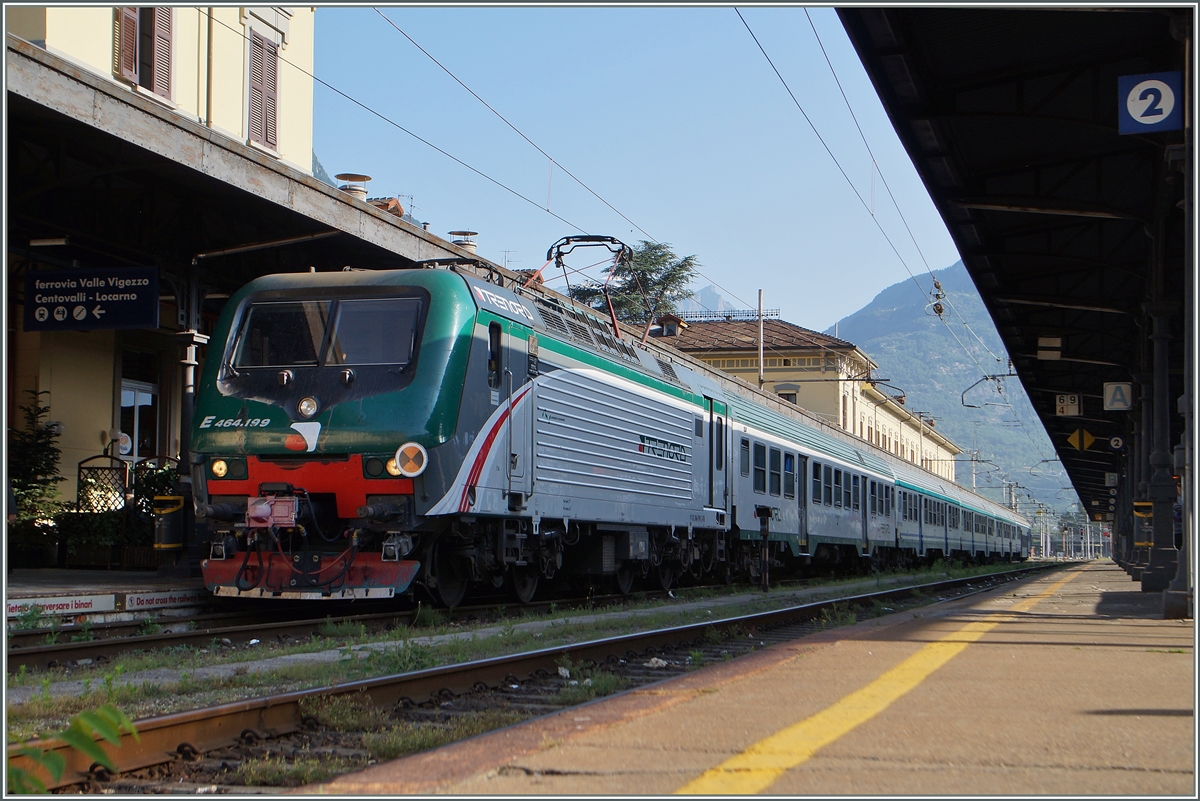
{"points": [[1118, 396], [1149, 103]]}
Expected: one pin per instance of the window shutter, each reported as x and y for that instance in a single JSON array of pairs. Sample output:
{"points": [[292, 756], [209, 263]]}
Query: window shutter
{"points": [[270, 92], [256, 87], [127, 39], [161, 79]]}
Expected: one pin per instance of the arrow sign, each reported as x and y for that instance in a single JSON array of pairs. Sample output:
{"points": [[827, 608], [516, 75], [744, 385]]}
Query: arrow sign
{"points": [[97, 312], [1081, 439]]}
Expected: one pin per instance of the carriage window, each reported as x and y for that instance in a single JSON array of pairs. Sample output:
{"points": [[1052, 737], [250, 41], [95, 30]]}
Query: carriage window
{"points": [[745, 457], [837, 488], [846, 491], [872, 507], [760, 467], [828, 487], [816, 482], [774, 466], [789, 475], [857, 502]]}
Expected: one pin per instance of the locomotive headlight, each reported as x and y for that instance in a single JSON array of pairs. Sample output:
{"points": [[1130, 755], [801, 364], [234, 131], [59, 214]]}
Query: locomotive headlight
{"points": [[219, 468], [410, 459], [393, 468], [307, 407]]}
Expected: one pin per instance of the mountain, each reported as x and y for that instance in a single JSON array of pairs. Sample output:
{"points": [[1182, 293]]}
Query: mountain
{"points": [[940, 363], [704, 300]]}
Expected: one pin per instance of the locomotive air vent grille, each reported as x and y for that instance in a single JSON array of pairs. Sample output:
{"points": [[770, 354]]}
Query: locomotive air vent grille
{"points": [[667, 370], [554, 321], [579, 328]]}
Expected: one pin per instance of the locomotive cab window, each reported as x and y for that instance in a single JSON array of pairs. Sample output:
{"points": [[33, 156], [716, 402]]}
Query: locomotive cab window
{"points": [[312, 333]]}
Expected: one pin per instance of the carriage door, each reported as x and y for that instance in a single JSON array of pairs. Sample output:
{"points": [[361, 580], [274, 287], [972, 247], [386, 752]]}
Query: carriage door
{"points": [[860, 505], [802, 490], [718, 496], [513, 382]]}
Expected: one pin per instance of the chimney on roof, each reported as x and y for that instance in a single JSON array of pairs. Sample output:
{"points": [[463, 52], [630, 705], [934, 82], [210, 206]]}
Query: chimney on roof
{"points": [[355, 184], [464, 239]]}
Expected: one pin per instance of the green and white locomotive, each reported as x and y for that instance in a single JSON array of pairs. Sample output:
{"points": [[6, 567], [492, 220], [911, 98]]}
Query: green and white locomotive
{"points": [[362, 433]]}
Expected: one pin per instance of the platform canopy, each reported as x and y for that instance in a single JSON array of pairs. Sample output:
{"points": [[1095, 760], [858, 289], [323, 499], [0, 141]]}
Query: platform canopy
{"points": [[1071, 230]]}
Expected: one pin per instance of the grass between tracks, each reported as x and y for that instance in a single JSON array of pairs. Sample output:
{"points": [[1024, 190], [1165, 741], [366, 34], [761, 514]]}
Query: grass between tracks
{"points": [[174, 685]]}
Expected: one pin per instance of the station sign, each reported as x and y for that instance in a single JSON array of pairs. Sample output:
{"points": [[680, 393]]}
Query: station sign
{"points": [[1118, 396], [91, 299], [1150, 102]]}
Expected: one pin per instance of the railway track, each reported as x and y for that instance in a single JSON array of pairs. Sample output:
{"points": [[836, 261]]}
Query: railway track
{"points": [[169, 743], [28, 649]]}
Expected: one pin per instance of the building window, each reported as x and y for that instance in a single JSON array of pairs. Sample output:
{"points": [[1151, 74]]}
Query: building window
{"points": [[139, 406], [264, 91], [144, 40], [790, 397]]}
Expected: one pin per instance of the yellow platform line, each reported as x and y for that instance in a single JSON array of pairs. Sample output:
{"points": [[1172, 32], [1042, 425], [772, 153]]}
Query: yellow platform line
{"points": [[757, 768]]}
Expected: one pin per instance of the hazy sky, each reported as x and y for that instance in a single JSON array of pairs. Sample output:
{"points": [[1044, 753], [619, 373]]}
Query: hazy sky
{"points": [[671, 115]]}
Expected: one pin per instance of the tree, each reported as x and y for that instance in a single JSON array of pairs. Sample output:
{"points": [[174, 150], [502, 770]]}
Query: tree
{"points": [[33, 456], [650, 285]]}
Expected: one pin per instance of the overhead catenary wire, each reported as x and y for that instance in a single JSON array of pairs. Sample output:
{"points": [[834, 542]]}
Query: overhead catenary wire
{"points": [[400, 127], [886, 185], [552, 161], [869, 210]]}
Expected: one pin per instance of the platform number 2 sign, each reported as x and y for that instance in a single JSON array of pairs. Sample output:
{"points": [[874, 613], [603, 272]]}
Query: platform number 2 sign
{"points": [[1149, 103]]}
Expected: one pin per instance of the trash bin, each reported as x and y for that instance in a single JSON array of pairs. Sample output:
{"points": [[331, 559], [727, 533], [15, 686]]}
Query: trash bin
{"points": [[168, 528]]}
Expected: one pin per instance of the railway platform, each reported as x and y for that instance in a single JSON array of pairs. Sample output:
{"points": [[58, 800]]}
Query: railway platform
{"points": [[1070, 683], [100, 594]]}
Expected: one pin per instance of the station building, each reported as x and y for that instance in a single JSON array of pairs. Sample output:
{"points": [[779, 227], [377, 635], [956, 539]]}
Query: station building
{"points": [[178, 144], [824, 375]]}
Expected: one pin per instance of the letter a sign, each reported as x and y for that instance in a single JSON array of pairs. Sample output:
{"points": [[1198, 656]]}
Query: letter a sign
{"points": [[1118, 397]]}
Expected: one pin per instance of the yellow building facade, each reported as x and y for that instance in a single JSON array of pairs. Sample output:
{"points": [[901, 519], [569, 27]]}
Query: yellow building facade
{"points": [[824, 375], [244, 73], [241, 72]]}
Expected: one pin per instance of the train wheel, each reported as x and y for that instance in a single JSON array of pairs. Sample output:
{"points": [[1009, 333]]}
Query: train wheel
{"points": [[525, 583], [451, 581], [666, 575], [625, 578]]}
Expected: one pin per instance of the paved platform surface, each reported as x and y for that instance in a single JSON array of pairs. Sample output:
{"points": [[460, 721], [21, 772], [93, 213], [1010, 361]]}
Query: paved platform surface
{"points": [[1069, 683], [27, 583]]}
